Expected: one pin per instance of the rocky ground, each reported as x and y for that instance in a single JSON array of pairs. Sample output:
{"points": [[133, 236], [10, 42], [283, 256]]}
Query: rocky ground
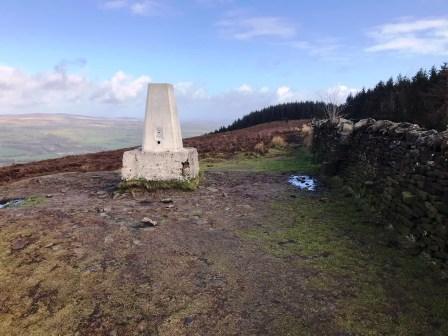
{"points": [[245, 254]]}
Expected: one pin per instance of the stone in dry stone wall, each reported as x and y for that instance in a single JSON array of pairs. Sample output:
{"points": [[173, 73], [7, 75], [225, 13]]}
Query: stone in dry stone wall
{"points": [[399, 169]]}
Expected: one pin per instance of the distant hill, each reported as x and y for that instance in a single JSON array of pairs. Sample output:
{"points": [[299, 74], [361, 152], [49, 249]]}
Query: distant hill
{"points": [[208, 145], [280, 112], [31, 137]]}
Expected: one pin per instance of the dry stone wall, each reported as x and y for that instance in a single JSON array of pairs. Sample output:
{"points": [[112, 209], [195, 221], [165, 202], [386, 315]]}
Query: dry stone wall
{"points": [[398, 169]]}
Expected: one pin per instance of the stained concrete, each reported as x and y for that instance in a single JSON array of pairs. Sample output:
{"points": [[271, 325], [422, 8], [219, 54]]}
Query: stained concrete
{"points": [[162, 156], [162, 128], [179, 165]]}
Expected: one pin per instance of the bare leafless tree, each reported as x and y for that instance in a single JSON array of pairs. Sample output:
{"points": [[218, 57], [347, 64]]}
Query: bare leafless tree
{"points": [[332, 109]]}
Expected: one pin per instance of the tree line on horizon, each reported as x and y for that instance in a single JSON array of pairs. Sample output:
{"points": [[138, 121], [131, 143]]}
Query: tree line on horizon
{"points": [[285, 111], [421, 99]]}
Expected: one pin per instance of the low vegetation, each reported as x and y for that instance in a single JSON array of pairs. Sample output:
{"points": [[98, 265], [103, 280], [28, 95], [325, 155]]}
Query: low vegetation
{"points": [[278, 142], [286, 159], [342, 274], [377, 289]]}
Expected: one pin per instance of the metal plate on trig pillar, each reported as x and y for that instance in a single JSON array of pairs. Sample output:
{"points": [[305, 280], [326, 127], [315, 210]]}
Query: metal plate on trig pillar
{"points": [[159, 134]]}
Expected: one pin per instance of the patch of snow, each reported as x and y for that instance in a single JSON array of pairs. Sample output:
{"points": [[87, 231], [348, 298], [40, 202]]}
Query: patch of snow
{"points": [[11, 203], [303, 182]]}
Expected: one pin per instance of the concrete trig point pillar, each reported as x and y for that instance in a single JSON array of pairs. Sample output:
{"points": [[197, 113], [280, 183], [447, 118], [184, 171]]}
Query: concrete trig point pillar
{"points": [[162, 156]]}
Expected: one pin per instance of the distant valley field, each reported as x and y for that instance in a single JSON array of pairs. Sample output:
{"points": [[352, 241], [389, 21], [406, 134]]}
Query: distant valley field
{"points": [[31, 137]]}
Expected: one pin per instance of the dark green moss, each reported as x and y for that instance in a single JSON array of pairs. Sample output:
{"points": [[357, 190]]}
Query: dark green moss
{"points": [[187, 185]]}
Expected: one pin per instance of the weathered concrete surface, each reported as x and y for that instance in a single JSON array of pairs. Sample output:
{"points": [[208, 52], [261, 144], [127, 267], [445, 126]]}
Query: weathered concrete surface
{"points": [[180, 165], [162, 127], [162, 156]]}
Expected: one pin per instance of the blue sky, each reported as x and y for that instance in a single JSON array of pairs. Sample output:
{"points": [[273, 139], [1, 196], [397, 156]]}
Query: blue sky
{"points": [[224, 57]]}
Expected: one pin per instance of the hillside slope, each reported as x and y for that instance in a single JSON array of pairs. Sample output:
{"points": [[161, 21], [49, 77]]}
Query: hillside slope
{"points": [[228, 142], [244, 254], [31, 137]]}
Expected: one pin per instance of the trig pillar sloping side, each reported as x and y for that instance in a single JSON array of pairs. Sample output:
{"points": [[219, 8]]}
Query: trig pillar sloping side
{"points": [[162, 128], [162, 156]]}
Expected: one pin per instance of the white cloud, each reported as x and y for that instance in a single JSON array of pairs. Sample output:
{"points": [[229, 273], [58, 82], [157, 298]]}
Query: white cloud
{"points": [[425, 36], [17, 88], [337, 94], [284, 93], [245, 88], [413, 26], [147, 8], [231, 104], [56, 89], [64, 91], [238, 25], [114, 4], [141, 7], [222, 107], [246, 28], [325, 48], [213, 3], [120, 88], [189, 89]]}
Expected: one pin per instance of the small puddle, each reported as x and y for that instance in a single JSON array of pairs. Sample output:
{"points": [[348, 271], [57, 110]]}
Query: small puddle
{"points": [[303, 182], [11, 203]]}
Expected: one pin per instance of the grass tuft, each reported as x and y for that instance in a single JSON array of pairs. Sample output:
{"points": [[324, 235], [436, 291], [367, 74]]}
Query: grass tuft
{"points": [[33, 201]]}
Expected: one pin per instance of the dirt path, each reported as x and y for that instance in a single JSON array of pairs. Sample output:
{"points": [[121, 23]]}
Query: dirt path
{"points": [[245, 254]]}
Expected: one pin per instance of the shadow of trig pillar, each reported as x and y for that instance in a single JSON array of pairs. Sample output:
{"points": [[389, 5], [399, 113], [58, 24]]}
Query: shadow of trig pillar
{"points": [[162, 156]]}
